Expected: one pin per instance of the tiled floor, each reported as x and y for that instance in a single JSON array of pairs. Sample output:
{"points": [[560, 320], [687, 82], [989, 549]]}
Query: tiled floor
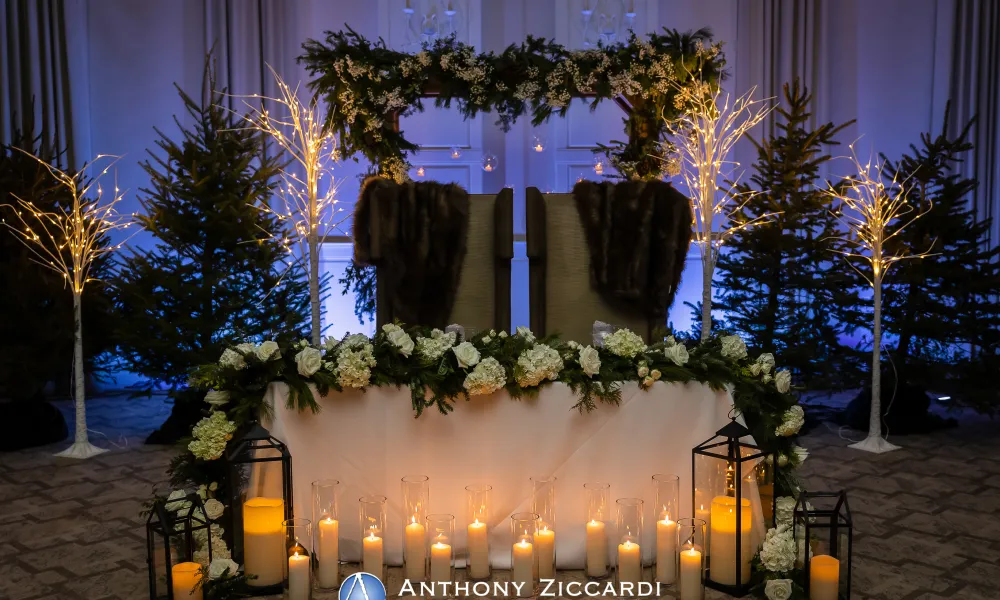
{"points": [[927, 517]]}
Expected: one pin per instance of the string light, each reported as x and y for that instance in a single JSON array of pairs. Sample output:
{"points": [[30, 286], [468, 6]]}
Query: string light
{"points": [[702, 137], [307, 214]]}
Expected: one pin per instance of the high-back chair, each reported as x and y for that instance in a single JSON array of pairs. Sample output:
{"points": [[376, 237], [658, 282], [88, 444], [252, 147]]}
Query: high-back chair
{"points": [[561, 297], [482, 301]]}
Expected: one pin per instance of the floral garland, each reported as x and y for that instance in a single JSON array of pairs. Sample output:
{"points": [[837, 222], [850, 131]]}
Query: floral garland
{"points": [[366, 84], [440, 367]]}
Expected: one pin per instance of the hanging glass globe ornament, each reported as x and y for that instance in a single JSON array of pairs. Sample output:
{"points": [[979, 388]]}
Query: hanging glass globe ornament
{"points": [[599, 163], [490, 162], [455, 153], [538, 142]]}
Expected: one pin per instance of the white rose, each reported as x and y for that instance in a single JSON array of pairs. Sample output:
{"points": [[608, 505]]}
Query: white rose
{"points": [[245, 348], [220, 566], [766, 362], [648, 381], [268, 350], [801, 454], [643, 371], [308, 361], [782, 460], [783, 381], [400, 339], [502, 334], [217, 397], [214, 508], [792, 421], [526, 334], [590, 361], [670, 341], [778, 589], [733, 346], [677, 353], [655, 374], [466, 354], [233, 359]]}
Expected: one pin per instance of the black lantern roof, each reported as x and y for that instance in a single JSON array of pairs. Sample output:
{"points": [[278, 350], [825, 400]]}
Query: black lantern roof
{"points": [[829, 510], [256, 438], [727, 443], [164, 517]]}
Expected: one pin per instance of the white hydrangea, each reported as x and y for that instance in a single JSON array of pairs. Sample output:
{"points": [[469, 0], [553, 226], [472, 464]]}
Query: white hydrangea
{"points": [[784, 510], [486, 378], [232, 359], [624, 343], [778, 551], [783, 381], [398, 338], [434, 347], [677, 353], [734, 347], [537, 364], [354, 365], [590, 360], [791, 422], [308, 361], [466, 354], [210, 436], [268, 351]]}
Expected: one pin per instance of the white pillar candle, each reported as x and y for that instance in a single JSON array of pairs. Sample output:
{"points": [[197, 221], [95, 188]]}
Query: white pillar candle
{"points": [[298, 577], [328, 571], [824, 577], [722, 566], [666, 550], [523, 566], [264, 541], [414, 552], [440, 561], [479, 550], [689, 583], [629, 562], [597, 549], [545, 548], [371, 558], [184, 577]]}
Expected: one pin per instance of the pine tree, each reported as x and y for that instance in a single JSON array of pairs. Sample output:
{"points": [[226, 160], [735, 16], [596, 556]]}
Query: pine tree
{"points": [[37, 327], [216, 274], [942, 311], [780, 281]]}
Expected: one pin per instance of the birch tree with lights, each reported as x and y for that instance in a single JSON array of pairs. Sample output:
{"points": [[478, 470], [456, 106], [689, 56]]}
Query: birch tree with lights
{"points": [[703, 138], [874, 213], [69, 240], [307, 212]]}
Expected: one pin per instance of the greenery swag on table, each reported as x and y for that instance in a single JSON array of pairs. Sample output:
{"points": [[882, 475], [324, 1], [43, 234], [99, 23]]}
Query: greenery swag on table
{"points": [[439, 368]]}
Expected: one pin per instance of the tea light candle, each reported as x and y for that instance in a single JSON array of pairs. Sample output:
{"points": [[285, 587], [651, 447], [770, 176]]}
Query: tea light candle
{"points": [[545, 542], [523, 566], [414, 552], [185, 577], [824, 577], [328, 570], [298, 576], [689, 582], [666, 550], [440, 561], [264, 541], [629, 562], [479, 550], [724, 545], [597, 549], [371, 558]]}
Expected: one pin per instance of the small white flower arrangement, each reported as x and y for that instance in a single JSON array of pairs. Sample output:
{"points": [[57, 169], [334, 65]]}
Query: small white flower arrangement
{"points": [[624, 343], [537, 364], [433, 348], [354, 364]]}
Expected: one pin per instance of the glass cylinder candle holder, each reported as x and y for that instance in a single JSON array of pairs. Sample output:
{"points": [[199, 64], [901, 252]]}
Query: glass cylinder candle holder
{"points": [[298, 542], [440, 547], [523, 527], [326, 533], [477, 505], [691, 559], [666, 504], [629, 530], [598, 498], [543, 504], [416, 495], [372, 520]]}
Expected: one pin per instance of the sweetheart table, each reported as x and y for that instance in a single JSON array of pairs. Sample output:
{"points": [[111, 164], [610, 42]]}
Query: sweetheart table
{"points": [[370, 440]]}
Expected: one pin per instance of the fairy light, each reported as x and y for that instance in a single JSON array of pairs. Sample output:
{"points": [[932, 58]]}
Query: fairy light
{"points": [[68, 240], [308, 215], [703, 137]]}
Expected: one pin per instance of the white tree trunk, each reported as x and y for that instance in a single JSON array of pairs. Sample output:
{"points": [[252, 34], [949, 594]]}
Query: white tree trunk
{"points": [[707, 269], [314, 285], [875, 442], [81, 448]]}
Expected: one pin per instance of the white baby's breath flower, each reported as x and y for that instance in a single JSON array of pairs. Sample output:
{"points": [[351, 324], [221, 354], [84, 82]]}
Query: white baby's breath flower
{"points": [[217, 397], [308, 361], [677, 353], [791, 422], [590, 361], [466, 354], [268, 350]]}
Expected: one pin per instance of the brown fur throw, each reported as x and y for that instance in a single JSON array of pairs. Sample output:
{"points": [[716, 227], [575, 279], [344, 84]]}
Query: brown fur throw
{"points": [[638, 233], [415, 235]]}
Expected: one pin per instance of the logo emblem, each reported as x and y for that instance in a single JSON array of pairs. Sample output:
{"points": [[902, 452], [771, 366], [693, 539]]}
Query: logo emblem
{"points": [[362, 586]]}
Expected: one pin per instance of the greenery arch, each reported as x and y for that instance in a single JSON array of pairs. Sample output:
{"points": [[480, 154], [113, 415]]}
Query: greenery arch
{"points": [[368, 87]]}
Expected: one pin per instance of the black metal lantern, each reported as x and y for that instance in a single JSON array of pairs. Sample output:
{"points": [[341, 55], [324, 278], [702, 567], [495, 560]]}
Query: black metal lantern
{"points": [[172, 529], [823, 526], [260, 486], [727, 474]]}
